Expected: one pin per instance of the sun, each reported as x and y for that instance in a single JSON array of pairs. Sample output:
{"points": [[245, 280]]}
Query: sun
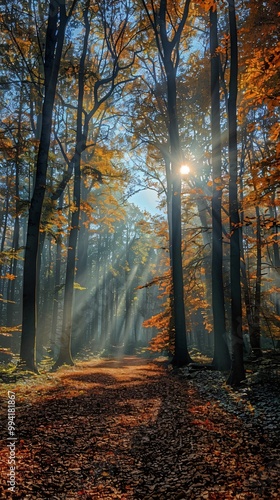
{"points": [[185, 170]]}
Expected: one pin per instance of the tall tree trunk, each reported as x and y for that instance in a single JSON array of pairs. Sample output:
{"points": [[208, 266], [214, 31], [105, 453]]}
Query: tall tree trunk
{"points": [[221, 359], [13, 268], [243, 266], [237, 373], [168, 49], [57, 21], [181, 356], [65, 356], [4, 226]]}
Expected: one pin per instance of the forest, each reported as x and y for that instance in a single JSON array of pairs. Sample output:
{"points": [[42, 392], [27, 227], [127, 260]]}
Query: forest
{"points": [[139, 247], [102, 100]]}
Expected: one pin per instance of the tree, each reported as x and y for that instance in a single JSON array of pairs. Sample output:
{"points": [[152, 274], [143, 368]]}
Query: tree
{"points": [[237, 368], [65, 356], [221, 358], [57, 22], [168, 49]]}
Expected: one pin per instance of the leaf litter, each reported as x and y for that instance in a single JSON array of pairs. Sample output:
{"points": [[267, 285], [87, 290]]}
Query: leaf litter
{"points": [[129, 429]]}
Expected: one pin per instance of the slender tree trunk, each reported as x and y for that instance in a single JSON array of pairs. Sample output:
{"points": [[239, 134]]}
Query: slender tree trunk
{"points": [[56, 286], [221, 359], [57, 21], [169, 53], [97, 294], [237, 373], [13, 268], [65, 356], [56, 296], [276, 255], [244, 274], [104, 268], [169, 223], [5, 212], [4, 226], [81, 298], [255, 338], [203, 208], [247, 295], [181, 356]]}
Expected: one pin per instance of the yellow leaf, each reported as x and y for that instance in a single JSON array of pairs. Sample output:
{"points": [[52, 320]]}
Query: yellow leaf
{"points": [[77, 286]]}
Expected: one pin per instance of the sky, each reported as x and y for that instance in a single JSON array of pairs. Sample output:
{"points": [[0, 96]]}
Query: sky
{"points": [[146, 200]]}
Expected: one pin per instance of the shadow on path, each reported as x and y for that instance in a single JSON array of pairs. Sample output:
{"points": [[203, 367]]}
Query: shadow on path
{"points": [[129, 430]]}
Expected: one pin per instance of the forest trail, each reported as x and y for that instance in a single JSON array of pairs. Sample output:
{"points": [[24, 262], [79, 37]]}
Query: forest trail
{"points": [[129, 429]]}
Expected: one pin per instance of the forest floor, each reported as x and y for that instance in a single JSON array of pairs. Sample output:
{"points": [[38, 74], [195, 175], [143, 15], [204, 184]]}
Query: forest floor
{"points": [[131, 429]]}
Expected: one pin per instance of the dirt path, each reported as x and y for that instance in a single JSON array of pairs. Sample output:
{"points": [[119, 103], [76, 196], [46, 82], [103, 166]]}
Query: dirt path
{"points": [[129, 430]]}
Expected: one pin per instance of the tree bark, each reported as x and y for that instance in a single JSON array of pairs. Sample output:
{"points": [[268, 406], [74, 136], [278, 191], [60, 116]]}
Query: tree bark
{"points": [[11, 321], [169, 223], [56, 288], [81, 298], [276, 255], [255, 337], [169, 53], [65, 356], [181, 356], [243, 266], [237, 373], [57, 21], [221, 359]]}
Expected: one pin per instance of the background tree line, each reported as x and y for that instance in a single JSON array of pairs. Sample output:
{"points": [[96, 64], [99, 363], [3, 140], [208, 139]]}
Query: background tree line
{"points": [[100, 99]]}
